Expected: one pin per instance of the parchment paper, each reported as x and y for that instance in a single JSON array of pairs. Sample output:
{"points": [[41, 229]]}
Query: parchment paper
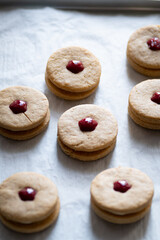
{"points": [[27, 39]]}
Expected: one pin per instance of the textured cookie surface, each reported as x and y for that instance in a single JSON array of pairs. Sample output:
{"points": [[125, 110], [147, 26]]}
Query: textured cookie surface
{"points": [[66, 94], [140, 102], [86, 156], [14, 209], [134, 200], [138, 50], [33, 227], [145, 71], [120, 219], [102, 137], [37, 108], [64, 79], [24, 135], [142, 123]]}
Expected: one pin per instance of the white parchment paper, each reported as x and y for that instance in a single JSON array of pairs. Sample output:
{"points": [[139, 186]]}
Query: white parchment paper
{"points": [[27, 39]]}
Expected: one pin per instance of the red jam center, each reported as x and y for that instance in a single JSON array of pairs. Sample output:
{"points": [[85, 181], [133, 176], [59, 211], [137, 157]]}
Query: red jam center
{"points": [[27, 194], [75, 66], [87, 124], [156, 97], [121, 186], [18, 106], [154, 43]]}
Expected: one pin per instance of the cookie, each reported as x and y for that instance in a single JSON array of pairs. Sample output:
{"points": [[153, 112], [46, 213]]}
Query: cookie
{"points": [[72, 73], [144, 104], [121, 195], [143, 50], [87, 132], [24, 112], [29, 202]]}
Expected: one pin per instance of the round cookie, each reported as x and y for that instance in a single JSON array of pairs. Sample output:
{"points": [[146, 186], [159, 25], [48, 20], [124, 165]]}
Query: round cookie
{"points": [[31, 213], [24, 112], [142, 56], [24, 135], [87, 145], [121, 195], [141, 107], [65, 83]]}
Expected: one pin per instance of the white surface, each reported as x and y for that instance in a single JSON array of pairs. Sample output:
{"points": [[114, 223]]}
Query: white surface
{"points": [[27, 39]]}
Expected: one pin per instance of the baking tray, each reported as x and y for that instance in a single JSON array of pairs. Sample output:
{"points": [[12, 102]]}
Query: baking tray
{"points": [[91, 4]]}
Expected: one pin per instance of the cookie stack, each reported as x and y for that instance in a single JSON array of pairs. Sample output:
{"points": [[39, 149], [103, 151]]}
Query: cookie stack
{"points": [[72, 73], [87, 132], [144, 104], [143, 50], [29, 202], [24, 112], [121, 195]]}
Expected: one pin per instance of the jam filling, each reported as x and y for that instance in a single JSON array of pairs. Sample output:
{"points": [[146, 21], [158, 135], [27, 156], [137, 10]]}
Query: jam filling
{"points": [[75, 66], [18, 106], [87, 124], [27, 194], [121, 186], [154, 43], [156, 97]]}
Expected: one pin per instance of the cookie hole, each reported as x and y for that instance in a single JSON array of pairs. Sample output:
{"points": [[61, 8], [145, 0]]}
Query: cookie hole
{"points": [[121, 186], [27, 194], [18, 106], [156, 97], [87, 124], [154, 43], [75, 66]]}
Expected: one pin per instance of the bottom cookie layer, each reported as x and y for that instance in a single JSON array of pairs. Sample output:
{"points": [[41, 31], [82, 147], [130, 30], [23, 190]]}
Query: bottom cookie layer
{"points": [[66, 94], [120, 219], [86, 156], [145, 71], [138, 121], [24, 135], [33, 227]]}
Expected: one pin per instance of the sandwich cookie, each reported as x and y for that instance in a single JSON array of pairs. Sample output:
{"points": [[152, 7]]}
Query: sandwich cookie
{"points": [[29, 202], [143, 50], [72, 73], [24, 112], [121, 195], [144, 104], [87, 132]]}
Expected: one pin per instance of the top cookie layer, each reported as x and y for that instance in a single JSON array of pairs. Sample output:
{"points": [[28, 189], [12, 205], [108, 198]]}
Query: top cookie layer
{"points": [[14, 209], [136, 198], [60, 76], [37, 107], [138, 49], [103, 136], [141, 103]]}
